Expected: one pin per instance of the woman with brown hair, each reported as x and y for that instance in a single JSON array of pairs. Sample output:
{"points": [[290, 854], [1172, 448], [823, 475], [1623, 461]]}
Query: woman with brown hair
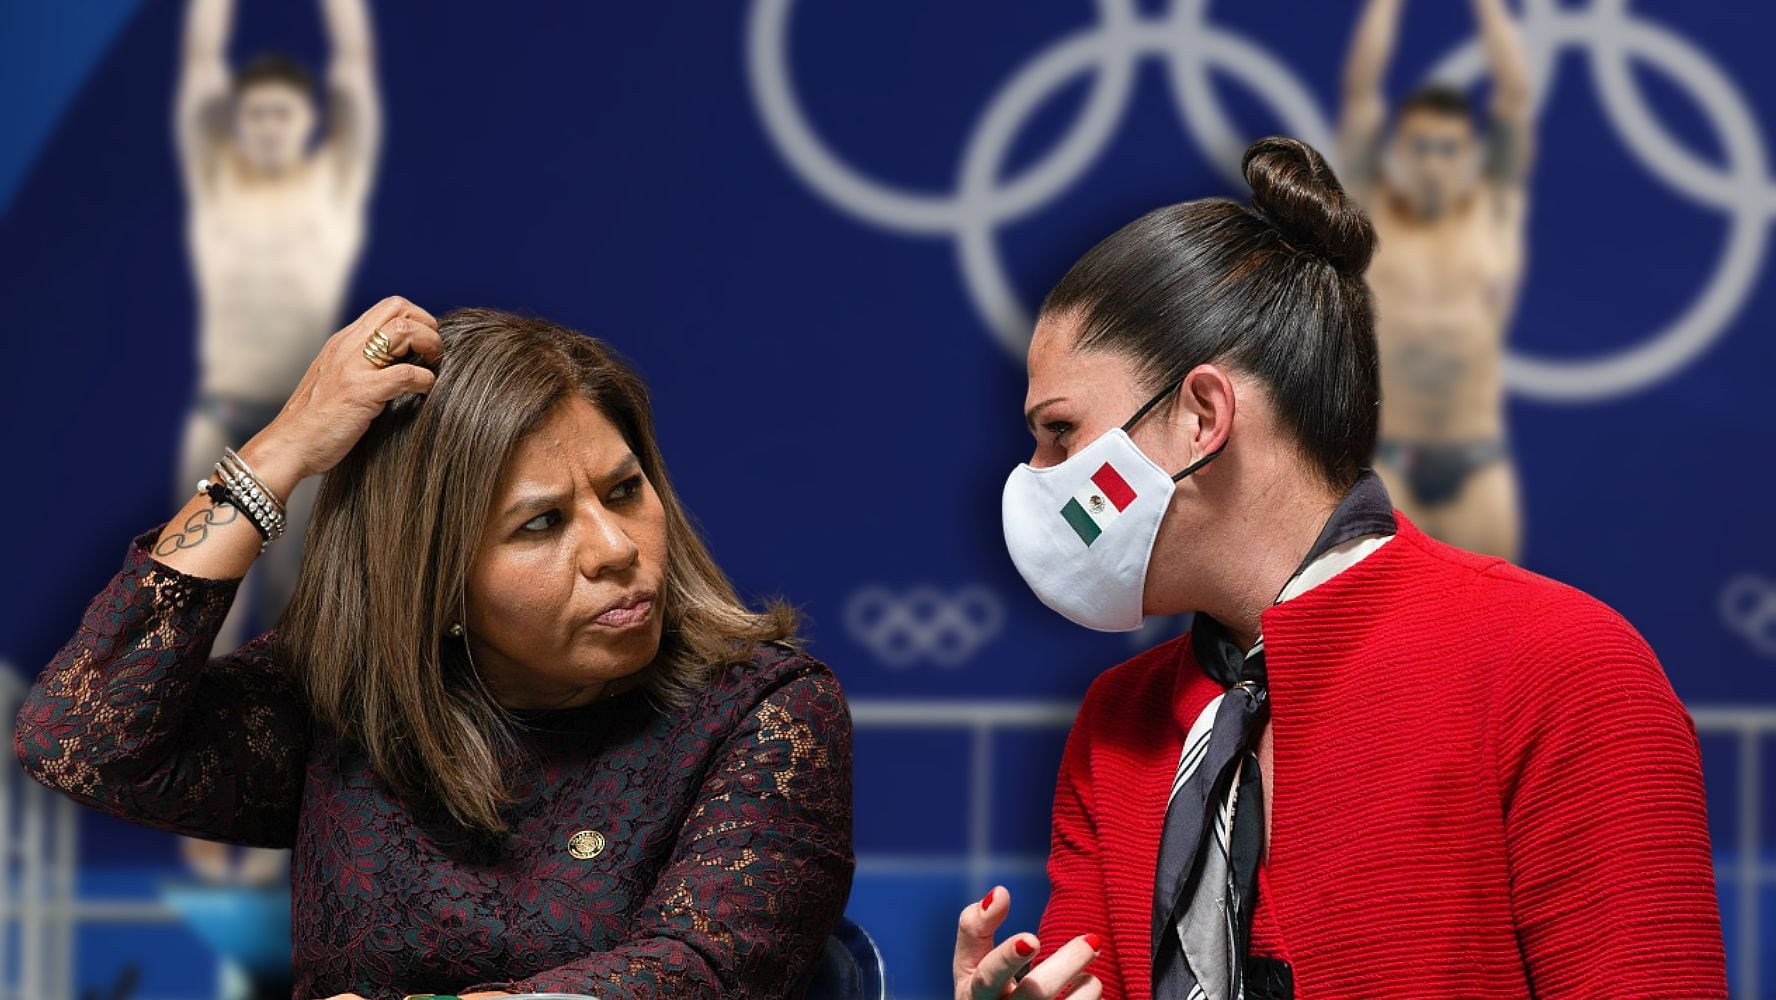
{"points": [[518, 728]]}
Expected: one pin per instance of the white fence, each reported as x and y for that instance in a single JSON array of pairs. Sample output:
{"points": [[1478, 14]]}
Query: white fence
{"points": [[37, 844], [40, 911]]}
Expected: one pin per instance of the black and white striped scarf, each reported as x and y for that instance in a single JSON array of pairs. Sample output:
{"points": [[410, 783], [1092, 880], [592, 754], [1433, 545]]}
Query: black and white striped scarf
{"points": [[1205, 884]]}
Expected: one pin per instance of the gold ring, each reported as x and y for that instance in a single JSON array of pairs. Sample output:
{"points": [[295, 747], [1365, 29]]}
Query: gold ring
{"points": [[379, 350]]}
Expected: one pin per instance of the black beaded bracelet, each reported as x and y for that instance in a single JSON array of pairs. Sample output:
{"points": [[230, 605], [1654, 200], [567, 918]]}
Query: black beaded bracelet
{"points": [[219, 493]]}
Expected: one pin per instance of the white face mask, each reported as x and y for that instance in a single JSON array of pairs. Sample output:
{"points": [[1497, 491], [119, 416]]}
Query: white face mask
{"points": [[1081, 532]]}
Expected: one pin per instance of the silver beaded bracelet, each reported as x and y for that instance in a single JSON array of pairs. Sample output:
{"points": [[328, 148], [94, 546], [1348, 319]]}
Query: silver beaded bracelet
{"points": [[235, 483]]}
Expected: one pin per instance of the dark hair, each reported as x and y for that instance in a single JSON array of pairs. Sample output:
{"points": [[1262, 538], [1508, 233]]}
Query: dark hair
{"points": [[1275, 290], [273, 67], [1438, 99]]}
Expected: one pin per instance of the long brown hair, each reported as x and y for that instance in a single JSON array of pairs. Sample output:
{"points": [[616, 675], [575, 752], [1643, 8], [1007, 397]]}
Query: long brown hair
{"points": [[394, 532]]}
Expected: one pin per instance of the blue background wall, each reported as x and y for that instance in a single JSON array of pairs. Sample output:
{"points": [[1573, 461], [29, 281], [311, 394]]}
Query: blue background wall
{"points": [[835, 402]]}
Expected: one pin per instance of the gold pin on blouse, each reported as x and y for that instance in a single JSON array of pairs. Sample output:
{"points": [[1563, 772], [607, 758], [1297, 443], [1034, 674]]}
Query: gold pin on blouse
{"points": [[586, 845]]}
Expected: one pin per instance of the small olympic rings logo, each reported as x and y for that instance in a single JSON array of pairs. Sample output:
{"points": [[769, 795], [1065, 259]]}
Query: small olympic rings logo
{"points": [[924, 623], [1748, 606], [1193, 48]]}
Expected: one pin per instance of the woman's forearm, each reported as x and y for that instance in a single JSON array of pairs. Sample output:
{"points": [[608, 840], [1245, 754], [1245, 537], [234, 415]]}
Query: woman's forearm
{"points": [[216, 541]]}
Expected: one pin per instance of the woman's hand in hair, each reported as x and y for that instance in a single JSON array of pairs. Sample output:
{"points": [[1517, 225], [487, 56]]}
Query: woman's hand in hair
{"points": [[986, 972], [327, 414], [342, 391]]}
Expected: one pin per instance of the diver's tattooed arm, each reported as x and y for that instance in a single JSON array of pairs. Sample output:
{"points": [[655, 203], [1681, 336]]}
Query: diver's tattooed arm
{"points": [[1363, 111], [1511, 139], [197, 528]]}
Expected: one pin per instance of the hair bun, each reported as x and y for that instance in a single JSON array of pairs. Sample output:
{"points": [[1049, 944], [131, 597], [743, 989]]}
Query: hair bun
{"points": [[1294, 189]]}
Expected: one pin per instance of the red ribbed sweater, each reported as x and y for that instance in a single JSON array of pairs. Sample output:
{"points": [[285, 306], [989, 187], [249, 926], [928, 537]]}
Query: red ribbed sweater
{"points": [[1483, 787]]}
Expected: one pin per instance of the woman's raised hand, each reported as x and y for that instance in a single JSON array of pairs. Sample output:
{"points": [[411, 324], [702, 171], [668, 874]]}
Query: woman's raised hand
{"points": [[331, 408], [984, 971], [342, 391]]}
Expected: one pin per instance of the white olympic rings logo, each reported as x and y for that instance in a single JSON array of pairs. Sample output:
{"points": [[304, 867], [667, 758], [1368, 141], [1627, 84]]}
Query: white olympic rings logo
{"points": [[1748, 606], [1742, 191], [924, 623]]}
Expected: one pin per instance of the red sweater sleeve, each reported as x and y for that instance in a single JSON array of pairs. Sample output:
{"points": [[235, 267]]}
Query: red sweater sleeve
{"points": [[1075, 866], [1612, 879]]}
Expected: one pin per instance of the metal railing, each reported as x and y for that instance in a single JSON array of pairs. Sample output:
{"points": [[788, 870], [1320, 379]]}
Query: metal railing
{"points": [[982, 720], [1749, 727], [40, 912], [37, 843]]}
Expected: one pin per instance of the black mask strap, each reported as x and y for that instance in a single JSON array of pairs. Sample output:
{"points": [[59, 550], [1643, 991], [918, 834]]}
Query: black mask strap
{"points": [[1199, 463], [1148, 406]]}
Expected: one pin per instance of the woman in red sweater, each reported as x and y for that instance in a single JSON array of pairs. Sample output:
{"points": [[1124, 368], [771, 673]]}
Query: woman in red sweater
{"points": [[1378, 765]]}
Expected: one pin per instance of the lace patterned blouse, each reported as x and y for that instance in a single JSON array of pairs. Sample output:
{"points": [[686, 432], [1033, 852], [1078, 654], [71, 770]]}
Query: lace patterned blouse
{"points": [[687, 853]]}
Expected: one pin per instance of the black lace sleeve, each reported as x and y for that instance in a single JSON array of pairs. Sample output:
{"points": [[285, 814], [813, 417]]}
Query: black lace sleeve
{"points": [[133, 718]]}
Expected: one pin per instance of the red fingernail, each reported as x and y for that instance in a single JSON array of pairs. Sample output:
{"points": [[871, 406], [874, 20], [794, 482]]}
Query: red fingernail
{"points": [[989, 900], [1094, 942], [1024, 948]]}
